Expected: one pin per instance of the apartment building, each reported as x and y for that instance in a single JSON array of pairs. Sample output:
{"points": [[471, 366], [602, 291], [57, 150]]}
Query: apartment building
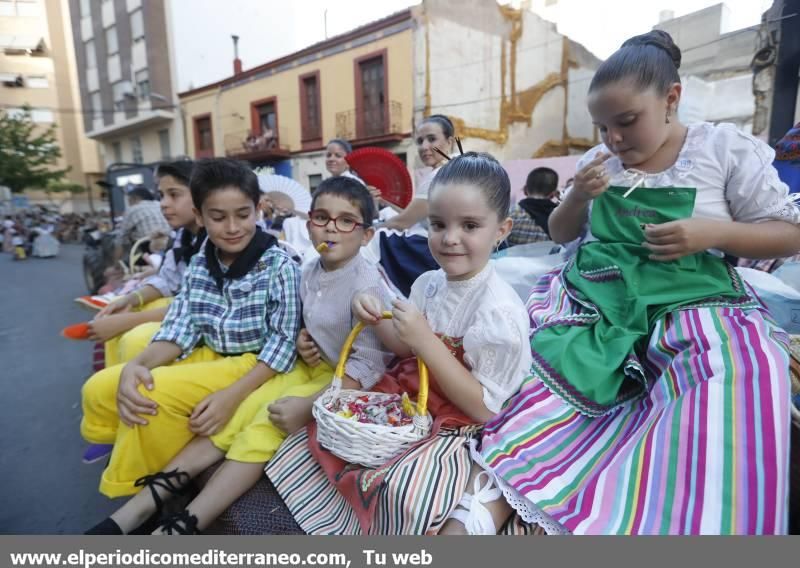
{"points": [[126, 79], [37, 69]]}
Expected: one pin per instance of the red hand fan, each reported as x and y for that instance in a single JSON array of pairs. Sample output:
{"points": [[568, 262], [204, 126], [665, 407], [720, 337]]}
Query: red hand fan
{"points": [[382, 169]]}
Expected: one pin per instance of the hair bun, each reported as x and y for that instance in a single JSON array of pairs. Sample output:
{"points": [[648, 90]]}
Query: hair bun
{"points": [[660, 39]]}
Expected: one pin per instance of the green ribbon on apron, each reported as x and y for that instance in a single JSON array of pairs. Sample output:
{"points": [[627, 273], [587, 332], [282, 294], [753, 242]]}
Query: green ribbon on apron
{"points": [[592, 359]]}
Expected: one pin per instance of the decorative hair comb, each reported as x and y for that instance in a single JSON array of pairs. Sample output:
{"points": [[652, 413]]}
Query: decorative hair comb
{"points": [[444, 155]]}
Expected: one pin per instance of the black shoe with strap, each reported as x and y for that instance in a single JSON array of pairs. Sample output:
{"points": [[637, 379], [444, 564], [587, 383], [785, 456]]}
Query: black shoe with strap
{"points": [[175, 482], [182, 523]]}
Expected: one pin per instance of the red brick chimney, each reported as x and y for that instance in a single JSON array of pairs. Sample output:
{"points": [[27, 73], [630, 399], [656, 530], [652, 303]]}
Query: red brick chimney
{"points": [[237, 63]]}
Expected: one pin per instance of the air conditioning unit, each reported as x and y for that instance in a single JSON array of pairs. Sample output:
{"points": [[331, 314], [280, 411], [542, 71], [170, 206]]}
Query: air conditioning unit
{"points": [[130, 92], [122, 91], [12, 80]]}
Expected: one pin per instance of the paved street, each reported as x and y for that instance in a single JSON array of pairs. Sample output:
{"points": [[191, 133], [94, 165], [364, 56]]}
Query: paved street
{"points": [[44, 487]]}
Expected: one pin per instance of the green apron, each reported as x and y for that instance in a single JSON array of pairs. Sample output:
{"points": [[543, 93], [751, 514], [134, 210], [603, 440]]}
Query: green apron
{"points": [[592, 358]]}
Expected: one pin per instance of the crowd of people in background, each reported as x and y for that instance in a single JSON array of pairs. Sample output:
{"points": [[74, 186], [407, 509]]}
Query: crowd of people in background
{"points": [[22, 230], [31, 232]]}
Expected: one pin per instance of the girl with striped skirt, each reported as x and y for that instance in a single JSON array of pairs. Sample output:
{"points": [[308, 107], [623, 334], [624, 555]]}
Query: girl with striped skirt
{"points": [[472, 332], [658, 401]]}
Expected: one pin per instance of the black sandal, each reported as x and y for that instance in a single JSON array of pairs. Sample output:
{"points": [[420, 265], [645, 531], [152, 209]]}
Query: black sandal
{"points": [[183, 523], [173, 481], [176, 482]]}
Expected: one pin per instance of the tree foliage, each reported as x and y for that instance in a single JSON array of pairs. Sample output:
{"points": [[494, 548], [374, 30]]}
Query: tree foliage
{"points": [[62, 186], [28, 155]]}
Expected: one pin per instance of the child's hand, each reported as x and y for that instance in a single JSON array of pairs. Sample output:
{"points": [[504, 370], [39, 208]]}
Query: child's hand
{"points": [[103, 329], [676, 239], [367, 309], [592, 180], [213, 412], [120, 305], [307, 349], [291, 413], [130, 402], [410, 325]]}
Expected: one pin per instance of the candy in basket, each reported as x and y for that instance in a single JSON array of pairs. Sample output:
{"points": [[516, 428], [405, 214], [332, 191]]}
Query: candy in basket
{"points": [[370, 428]]}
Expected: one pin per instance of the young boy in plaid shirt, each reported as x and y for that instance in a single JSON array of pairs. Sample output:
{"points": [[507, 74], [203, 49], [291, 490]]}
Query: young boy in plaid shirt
{"points": [[231, 329], [341, 217]]}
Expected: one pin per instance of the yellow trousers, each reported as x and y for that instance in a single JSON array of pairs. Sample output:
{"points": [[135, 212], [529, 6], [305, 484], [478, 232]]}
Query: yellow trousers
{"points": [[179, 387], [250, 436], [126, 346]]}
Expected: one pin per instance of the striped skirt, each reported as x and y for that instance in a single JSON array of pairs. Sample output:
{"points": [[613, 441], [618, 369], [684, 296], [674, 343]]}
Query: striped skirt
{"points": [[705, 451], [415, 496]]}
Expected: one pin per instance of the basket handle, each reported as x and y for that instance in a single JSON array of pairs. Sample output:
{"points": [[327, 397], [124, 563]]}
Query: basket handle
{"points": [[133, 256], [422, 396]]}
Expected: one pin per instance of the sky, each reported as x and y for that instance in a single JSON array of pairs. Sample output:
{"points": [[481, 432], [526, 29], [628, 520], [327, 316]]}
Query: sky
{"points": [[603, 26], [269, 29]]}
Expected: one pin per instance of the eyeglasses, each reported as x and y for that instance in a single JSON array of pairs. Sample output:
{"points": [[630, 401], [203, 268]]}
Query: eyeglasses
{"points": [[344, 224]]}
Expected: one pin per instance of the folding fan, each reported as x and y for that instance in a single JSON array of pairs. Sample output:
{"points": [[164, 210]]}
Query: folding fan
{"points": [[382, 169], [282, 184]]}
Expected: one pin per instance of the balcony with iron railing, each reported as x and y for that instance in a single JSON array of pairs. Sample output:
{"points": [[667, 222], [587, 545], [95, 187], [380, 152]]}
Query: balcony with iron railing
{"points": [[252, 146], [363, 128]]}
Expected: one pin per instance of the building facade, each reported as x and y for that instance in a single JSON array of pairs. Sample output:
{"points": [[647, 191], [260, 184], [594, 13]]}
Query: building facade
{"points": [[512, 85], [123, 51], [716, 60], [38, 69], [355, 86], [715, 67]]}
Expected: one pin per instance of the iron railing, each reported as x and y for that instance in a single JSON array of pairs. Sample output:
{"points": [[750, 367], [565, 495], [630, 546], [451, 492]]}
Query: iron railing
{"points": [[352, 125]]}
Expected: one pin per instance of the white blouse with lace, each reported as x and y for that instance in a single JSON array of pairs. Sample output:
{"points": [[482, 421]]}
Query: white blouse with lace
{"points": [[491, 319], [732, 172]]}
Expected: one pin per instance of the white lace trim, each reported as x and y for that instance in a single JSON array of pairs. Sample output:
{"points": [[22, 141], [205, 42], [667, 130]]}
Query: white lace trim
{"points": [[449, 305], [527, 510], [695, 137]]}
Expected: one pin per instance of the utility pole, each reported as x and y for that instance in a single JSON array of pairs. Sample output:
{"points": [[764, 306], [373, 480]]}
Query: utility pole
{"points": [[787, 68]]}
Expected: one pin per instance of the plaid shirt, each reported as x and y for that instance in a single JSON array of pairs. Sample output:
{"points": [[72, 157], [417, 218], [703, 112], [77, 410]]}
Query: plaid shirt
{"points": [[259, 313], [169, 277], [525, 229], [142, 220]]}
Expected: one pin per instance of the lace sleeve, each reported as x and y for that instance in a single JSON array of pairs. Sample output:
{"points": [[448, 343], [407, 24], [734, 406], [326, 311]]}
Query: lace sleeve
{"points": [[496, 349], [753, 189]]}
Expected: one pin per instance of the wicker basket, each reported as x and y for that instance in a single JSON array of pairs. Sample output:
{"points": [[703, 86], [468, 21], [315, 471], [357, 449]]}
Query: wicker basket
{"points": [[370, 445]]}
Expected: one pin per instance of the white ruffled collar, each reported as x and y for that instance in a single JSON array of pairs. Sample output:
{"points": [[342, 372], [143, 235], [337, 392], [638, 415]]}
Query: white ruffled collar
{"points": [[456, 288], [695, 137]]}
